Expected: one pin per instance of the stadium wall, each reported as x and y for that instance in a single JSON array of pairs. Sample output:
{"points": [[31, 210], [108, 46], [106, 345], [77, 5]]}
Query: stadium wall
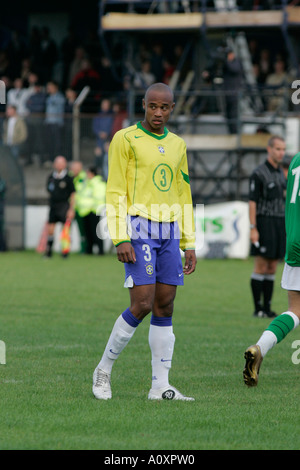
{"points": [[222, 230]]}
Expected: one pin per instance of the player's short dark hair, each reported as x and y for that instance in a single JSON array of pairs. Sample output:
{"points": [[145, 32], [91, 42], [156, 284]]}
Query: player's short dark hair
{"points": [[273, 138]]}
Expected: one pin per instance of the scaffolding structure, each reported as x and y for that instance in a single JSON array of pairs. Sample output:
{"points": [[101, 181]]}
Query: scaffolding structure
{"points": [[220, 163]]}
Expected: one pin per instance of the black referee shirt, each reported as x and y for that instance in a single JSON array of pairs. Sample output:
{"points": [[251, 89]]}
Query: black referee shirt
{"points": [[267, 189], [60, 187]]}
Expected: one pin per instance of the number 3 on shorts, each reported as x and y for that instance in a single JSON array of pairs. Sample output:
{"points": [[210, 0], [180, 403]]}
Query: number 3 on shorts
{"points": [[146, 250]]}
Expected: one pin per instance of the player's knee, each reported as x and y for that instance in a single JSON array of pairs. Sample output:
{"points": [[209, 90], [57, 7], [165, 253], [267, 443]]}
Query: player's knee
{"points": [[141, 309], [164, 310]]}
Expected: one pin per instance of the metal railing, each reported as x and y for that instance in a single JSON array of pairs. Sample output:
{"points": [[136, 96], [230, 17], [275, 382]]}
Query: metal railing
{"points": [[218, 169], [186, 6]]}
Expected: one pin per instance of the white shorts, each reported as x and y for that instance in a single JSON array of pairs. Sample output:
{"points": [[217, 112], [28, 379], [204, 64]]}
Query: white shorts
{"points": [[291, 278]]}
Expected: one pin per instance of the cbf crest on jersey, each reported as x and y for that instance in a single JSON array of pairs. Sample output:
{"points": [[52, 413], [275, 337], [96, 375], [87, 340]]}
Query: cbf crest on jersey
{"points": [[161, 149]]}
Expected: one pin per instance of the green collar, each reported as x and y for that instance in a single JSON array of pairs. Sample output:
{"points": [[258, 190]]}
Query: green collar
{"points": [[158, 137]]}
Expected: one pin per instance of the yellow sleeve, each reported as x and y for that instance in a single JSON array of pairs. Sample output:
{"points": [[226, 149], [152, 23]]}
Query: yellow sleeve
{"points": [[186, 222], [116, 190]]}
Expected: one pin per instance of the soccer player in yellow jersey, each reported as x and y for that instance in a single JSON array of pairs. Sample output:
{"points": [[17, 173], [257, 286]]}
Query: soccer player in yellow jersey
{"points": [[150, 217]]}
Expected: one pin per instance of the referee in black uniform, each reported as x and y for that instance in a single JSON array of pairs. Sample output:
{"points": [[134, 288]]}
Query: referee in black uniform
{"points": [[62, 197], [267, 224]]}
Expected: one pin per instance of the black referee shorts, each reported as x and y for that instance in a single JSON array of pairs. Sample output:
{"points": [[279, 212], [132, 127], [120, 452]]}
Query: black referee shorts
{"points": [[58, 212], [272, 238]]}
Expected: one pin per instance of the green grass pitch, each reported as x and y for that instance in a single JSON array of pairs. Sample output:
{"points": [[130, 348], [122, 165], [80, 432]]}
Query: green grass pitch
{"points": [[55, 318]]}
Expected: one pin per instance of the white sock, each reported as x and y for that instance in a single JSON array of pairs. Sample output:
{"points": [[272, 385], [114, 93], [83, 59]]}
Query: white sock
{"points": [[266, 342], [120, 336], [161, 341], [294, 317]]}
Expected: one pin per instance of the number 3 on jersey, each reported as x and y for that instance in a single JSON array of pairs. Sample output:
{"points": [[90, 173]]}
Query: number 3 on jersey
{"points": [[146, 250], [163, 177]]}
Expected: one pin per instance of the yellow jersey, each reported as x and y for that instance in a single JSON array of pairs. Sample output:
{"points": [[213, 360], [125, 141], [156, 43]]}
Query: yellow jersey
{"points": [[148, 177]]}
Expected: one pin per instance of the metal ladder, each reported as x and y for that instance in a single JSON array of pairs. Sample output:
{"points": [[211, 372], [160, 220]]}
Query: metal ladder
{"points": [[241, 48]]}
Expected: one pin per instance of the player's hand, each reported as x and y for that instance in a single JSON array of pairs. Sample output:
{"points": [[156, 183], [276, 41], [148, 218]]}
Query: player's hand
{"points": [[254, 236], [126, 253], [190, 261]]}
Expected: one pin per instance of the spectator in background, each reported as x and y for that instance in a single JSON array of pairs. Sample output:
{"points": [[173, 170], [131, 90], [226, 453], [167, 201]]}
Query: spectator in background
{"points": [[264, 64], [54, 119], [278, 82], [232, 84], [32, 79], [93, 47], [36, 105], [120, 117], [120, 121], [88, 76], [70, 96], [76, 63], [157, 62], [109, 82], [102, 129], [30, 89], [14, 131], [104, 168], [17, 96], [169, 68], [144, 78], [36, 102], [185, 67], [26, 70]]}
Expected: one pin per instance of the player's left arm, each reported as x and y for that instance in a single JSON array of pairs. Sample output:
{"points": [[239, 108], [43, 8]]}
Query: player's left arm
{"points": [[187, 223]]}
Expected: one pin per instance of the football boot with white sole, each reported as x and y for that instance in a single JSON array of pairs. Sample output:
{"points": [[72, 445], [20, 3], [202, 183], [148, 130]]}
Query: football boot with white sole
{"points": [[101, 385], [168, 393]]}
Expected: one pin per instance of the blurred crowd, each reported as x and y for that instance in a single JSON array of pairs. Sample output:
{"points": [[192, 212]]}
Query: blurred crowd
{"points": [[43, 80]]}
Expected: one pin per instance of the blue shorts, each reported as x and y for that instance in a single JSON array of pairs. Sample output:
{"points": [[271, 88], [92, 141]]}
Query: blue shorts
{"points": [[158, 257]]}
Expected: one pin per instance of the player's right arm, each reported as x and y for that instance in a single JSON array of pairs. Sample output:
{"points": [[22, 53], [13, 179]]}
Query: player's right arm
{"points": [[116, 190]]}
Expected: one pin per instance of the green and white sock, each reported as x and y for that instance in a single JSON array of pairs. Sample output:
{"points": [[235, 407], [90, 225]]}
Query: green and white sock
{"points": [[277, 331]]}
